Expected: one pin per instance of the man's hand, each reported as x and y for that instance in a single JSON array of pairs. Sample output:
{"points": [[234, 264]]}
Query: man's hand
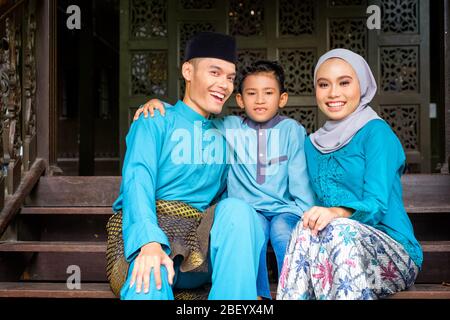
{"points": [[150, 106], [317, 218], [152, 256]]}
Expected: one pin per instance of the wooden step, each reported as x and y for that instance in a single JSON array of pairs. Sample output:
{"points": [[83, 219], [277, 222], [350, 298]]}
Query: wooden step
{"points": [[54, 246], [54, 290], [66, 211], [102, 291], [424, 291]]}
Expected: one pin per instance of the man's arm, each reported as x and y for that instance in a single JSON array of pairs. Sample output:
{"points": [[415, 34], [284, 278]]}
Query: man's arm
{"points": [[141, 233]]}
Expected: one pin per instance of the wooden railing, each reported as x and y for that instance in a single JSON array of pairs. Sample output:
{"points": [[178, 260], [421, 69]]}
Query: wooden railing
{"points": [[18, 141]]}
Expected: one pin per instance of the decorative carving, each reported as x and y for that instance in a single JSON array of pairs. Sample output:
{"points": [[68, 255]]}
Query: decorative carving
{"points": [[296, 17], [148, 18], [12, 142], [399, 69], [400, 16], [299, 69], [349, 34], [404, 120], [245, 58], [307, 116], [149, 71], [246, 18], [198, 4], [29, 87]]}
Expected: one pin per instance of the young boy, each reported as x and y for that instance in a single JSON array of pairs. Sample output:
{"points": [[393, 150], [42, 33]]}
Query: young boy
{"points": [[269, 168]]}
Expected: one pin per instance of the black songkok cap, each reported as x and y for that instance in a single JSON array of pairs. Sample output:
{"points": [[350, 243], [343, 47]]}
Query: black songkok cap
{"points": [[211, 45]]}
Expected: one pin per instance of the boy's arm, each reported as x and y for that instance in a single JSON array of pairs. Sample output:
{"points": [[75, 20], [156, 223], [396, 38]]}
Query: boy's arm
{"points": [[299, 184], [139, 174]]}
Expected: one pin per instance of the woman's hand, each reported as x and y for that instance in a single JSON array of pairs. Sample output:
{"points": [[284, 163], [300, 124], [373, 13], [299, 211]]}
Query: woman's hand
{"points": [[152, 256], [150, 106], [317, 218]]}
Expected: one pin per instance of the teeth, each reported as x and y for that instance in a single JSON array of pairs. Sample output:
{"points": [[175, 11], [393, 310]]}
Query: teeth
{"points": [[218, 95], [336, 104]]}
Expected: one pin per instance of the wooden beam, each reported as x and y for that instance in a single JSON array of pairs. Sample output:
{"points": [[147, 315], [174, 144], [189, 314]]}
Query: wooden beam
{"points": [[447, 84]]}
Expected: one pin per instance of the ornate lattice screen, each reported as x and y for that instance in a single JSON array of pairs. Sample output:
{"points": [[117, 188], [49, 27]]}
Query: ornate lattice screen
{"points": [[154, 32]]}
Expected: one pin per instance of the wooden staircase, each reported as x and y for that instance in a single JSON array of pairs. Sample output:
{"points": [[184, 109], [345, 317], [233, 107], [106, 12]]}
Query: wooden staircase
{"points": [[62, 224]]}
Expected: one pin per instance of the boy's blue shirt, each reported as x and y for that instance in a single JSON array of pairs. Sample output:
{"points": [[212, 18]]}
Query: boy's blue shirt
{"points": [[269, 169]]}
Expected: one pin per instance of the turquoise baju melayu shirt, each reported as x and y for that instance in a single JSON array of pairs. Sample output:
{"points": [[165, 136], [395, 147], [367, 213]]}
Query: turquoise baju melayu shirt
{"points": [[167, 158], [268, 165], [365, 176]]}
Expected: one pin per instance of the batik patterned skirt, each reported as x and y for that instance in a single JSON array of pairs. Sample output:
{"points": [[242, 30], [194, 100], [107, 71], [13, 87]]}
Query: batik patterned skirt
{"points": [[347, 260]]}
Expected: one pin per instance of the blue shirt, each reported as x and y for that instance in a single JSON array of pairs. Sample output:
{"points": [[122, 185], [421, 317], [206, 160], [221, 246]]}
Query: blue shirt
{"points": [[267, 164], [170, 158], [365, 176]]}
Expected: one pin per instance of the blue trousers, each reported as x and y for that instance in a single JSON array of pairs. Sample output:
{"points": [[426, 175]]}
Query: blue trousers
{"points": [[277, 228], [235, 247]]}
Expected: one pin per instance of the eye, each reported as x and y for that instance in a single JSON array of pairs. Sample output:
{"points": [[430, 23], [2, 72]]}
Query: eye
{"points": [[345, 83], [214, 73], [250, 93], [323, 85], [231, 79], [269, 92]]}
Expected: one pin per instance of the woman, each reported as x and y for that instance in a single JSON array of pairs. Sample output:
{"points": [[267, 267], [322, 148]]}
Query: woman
{"points": [[358, 243]]}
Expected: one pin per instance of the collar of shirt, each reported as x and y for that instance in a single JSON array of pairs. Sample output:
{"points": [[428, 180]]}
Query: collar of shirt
{"points": [[264, 125], [186, 112]]}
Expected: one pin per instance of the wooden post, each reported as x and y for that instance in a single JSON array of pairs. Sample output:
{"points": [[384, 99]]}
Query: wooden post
{"points": [[86, 89], [445, 168], [46, 89]]}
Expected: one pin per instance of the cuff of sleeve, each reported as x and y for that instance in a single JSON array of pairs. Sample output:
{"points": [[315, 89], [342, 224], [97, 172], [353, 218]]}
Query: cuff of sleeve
{"points": [[139, 234], [360, 212]]}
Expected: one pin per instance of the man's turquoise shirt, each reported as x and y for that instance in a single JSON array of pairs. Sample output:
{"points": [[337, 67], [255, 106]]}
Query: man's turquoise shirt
{"points": [[176, 157]]}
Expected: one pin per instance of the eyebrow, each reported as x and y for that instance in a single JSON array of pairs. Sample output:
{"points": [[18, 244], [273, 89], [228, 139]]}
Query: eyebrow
{"points": [[339, 78], [266, 88], [220, 69]]}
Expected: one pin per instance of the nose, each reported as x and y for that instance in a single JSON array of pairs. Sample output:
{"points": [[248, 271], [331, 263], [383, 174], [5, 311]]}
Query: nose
{"points": [[334, 91], [224, 84], [259, 98]]}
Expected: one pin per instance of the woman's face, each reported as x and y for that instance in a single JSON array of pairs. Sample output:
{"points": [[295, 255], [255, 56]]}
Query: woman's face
{"points": [[337, 89]]}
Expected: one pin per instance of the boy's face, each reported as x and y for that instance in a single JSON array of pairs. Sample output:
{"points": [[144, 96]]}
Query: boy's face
{"points": [[337, 89], [261, 96], [209, 83]]}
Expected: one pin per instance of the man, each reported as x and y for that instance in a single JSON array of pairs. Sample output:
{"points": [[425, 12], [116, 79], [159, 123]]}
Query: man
{"points": [[156, 167]]}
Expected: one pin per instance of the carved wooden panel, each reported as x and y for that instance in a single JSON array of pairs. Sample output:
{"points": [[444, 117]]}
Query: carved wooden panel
{"points": [[404, 120], [149, 73], [148, 19], [399, 69], [400, 16], [297, 17], [299, 68], [349, 34], [246, 18]]}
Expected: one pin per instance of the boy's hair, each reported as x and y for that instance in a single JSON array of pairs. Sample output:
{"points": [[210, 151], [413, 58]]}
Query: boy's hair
{"points": [[263, 66]]}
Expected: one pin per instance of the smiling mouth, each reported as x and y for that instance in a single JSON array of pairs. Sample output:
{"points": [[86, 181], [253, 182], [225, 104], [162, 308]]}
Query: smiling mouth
{"points": [[335, 105], [260, 110], [219, 97]]}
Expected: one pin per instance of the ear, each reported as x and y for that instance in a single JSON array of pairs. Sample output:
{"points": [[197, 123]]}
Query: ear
{"points": [[240, 101], [283, 100], [187, 70]]}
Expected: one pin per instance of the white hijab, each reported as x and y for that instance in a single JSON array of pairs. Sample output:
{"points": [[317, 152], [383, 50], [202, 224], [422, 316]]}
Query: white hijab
{"points": [[335, 134]]}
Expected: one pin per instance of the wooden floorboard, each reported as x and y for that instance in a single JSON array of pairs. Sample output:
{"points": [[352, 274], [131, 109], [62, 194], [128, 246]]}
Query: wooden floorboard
{"points": [[52, 246], [66, 210], [54, 290]]}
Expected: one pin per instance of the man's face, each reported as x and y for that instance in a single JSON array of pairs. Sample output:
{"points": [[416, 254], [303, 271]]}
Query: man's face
{"points": [[209, 83]]}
